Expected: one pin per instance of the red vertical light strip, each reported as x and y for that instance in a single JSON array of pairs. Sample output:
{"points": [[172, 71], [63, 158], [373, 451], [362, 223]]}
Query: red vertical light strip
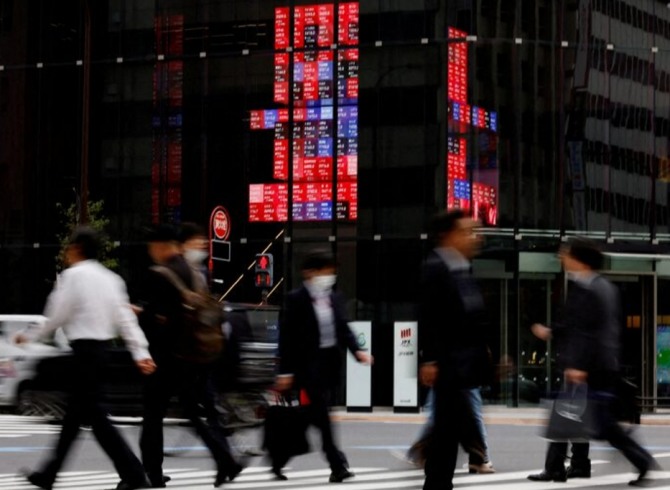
{"points": [[168, 100]]}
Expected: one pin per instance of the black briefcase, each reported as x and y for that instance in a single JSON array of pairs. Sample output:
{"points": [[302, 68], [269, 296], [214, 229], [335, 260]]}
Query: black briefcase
{"points": [[285, 432]]}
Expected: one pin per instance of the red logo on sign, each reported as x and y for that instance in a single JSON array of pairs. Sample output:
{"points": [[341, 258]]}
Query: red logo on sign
{"points": [[405, 333], [221, 225]]}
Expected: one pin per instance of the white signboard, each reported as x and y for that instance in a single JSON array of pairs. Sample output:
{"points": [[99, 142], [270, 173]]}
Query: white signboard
{"points": [[405, 365], [359, 377]]}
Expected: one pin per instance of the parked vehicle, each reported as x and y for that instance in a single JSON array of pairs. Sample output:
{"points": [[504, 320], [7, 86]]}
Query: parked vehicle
{"points": [[248, 364], [19, 363]]}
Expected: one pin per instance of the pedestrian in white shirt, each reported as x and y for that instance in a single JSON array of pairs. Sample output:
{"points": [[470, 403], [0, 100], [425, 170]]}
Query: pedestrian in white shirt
{"points": [[91, 305]]}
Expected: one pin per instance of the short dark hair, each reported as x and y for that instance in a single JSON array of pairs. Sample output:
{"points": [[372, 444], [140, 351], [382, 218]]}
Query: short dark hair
{"points": [[318, 259], [445, 222], [586, 252], [190, 230], [87, 240], [162, 233]]}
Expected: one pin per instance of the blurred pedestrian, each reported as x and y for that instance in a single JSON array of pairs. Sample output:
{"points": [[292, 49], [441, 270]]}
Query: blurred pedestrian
{"points": [[162, 319], [454, 355], [589, 343], [474, 437], [313, 331], [91, 305], [195, 249]]}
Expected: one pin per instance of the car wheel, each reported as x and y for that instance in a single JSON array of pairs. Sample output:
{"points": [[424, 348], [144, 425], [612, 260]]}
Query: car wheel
{"points": [[48, 404]]}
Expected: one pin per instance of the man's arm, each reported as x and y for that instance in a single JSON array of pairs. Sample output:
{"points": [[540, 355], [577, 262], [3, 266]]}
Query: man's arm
{"points": [[130, 331], [59, 307]]}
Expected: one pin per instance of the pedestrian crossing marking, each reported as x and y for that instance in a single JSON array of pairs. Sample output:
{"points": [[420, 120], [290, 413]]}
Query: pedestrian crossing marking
{"points": [[259, 477]]}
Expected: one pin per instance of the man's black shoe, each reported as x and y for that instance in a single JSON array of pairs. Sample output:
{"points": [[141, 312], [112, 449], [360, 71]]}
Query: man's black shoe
{"points": [[549, 476], [159, 481], [124, 485], [642, 480], [577, 472], [338, 476], [37, 479], [227, 474], [279, 474]]}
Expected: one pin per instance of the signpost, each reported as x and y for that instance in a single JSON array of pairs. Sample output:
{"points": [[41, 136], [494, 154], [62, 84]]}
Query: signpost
{"points": [[219, 232], [359, 377], [405, 367]]}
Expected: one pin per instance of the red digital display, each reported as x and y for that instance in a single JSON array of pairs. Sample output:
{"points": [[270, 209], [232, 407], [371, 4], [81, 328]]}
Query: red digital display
{"points": [[320, 135], [348, 24], [470, 185], [168, 90], [282, 26]]}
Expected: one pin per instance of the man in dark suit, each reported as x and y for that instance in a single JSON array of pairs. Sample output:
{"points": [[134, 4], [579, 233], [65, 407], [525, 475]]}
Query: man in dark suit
{"points": [[161, 318], [454, 354], [313, 331], [589, 347]]}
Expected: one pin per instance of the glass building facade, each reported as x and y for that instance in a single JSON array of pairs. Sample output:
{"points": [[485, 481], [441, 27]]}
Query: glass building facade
{"points": [[347, 125]]}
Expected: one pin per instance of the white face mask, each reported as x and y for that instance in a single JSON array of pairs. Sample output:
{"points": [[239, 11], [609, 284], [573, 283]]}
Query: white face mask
{"points": [[195, 256], [323, 284]]}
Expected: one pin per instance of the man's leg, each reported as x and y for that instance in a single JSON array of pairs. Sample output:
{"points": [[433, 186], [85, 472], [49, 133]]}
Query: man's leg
{"points": [[156, 397], [474, 437], [320, 418], [417, 451], [442, 451], [191, 385], [94, 355], [554, 464], [580, 464]]}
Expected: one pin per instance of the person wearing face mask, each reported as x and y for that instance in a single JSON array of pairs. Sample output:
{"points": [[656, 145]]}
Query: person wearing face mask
{"points": [[313, 331], [195, 249]]}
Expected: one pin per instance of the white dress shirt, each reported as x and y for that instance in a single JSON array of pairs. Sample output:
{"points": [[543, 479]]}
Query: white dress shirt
{"points": [[91, 302], [325, 317]]}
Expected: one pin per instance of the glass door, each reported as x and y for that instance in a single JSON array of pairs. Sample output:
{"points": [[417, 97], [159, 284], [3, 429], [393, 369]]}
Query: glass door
{"points": [[638, 339]]}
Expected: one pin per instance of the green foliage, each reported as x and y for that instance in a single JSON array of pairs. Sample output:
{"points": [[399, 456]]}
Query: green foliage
{"points": [[69, 218]]}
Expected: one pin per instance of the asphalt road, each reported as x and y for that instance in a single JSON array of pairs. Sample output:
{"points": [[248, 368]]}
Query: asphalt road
{"points": [[372, 444]]}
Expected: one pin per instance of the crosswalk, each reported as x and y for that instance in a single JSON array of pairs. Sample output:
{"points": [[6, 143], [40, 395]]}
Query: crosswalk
{"points": [[257, 478], [15, 426]]}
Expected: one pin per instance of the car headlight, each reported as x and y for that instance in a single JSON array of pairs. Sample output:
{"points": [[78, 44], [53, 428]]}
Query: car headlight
{"points": [[7, 369]]}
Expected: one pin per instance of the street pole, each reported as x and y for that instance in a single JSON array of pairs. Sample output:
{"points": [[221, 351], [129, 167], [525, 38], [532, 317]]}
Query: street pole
{"points": [[85, 114]]}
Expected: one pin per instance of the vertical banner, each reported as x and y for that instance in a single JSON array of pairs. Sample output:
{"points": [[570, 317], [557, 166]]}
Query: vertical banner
{"points": [[405, 366], [359, 377]]}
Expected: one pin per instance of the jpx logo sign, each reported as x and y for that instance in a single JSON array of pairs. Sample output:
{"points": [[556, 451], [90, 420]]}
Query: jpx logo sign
{"points": [[406, 337]]}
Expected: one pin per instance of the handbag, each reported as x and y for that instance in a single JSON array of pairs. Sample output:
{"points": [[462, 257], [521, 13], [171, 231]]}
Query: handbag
{"points": [[571, 418], [285, 431]]}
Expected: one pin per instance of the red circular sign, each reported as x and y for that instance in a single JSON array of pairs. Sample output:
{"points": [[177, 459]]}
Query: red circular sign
{"points": [[221, 225]]}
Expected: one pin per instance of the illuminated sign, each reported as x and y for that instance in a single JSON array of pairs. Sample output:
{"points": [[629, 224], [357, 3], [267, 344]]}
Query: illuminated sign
{"points": [[167, 120], [320, 139], [470, 184]]}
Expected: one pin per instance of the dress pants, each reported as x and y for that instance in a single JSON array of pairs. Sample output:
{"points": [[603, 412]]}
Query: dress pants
{"points": [[188, 381], [319, 387], [85, 407], [558, 451], [451, 410]]}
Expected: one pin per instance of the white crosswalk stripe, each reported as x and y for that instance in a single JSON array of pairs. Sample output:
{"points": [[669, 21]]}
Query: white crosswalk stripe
{"points": [[14, 426], [257, 478]]}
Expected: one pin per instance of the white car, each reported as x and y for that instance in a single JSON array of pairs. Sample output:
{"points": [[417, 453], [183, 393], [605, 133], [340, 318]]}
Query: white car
{"points": [[18, 362]]}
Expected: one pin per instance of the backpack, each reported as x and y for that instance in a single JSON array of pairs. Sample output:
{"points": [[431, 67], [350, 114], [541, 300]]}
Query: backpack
{"points": [[199, 338]]}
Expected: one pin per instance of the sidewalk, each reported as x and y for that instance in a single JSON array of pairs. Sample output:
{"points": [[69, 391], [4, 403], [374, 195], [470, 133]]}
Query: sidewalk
{"points": [[493, 415]]}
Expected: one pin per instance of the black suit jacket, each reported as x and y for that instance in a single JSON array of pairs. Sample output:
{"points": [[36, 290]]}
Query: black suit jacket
{"points": [[452, 325], [588, 335], [162, 308], [299, 339]]}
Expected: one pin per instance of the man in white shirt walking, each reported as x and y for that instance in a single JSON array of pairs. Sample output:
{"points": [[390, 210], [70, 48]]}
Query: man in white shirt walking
{"points": [[91, 305]]}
